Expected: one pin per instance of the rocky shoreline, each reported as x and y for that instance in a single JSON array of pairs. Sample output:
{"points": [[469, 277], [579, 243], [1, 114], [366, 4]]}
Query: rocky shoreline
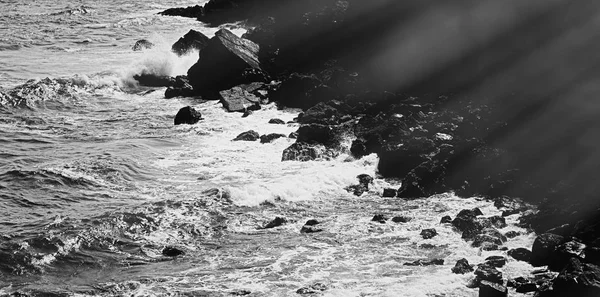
{"points": [[435, 134]]}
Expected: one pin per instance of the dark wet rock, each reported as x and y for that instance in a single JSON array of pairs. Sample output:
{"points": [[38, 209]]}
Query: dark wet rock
{"points": [[543, 249], [312, 289], [520, 254], [316, 133], [172, 251], [189, 12], [489, 239], [421, 262], [495, 221], [226, 61], [247, 113], [192, 40], [311, 226], [379, 218], [577, 279], [509, 205], [299, 91], [462, 266], [428, 233], [278, 221], [187, 115], [357, 190], [237, 99], [522, 285], [181, 88], [512, 234], [267, 138], [293, 135], [401, 219], [496, 261], [249, 135], [427, 246], [492, 289], [566, 251], [241, 293], [152, 80], [446, 219], [467, 223], [277, 121], [142, 44], [488, 272], [388, 193], [365, 179], [301, 151], [324, 113]]}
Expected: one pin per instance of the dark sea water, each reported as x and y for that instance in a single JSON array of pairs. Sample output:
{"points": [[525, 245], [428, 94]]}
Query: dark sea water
{"points": [[95, 180]]}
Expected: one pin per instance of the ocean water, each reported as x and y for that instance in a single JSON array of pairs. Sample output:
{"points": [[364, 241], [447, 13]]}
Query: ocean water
{"points": [[95, 180]]}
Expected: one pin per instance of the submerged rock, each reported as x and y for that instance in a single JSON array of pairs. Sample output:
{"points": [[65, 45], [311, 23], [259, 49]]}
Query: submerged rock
{"points": [[226, 61], [267, 138], [301, 151], [192, 40], [311, 226], [276, 121], [401, 219], [462, 266], [187, 115], [278, 221], [421, 262], [379, 218], [312, 289], [142, 44], [428, 233], [249, 135], [446, 219], [172, 251]]}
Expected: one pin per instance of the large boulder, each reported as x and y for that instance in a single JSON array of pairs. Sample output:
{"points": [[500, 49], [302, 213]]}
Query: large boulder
{"points": [[187, 115], [301, 91], [226, 61], [192, 40], [544, 247], [577, 279]]}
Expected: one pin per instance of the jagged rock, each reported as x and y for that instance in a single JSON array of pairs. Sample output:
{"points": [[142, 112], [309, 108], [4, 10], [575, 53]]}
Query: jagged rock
{"points": [[181, 88], [317, 134], [577, 279], [566, 251], [428, 233], [543, 249], [462, 266], [152, 80], [276, 121], [293, 135], [278, 221], [489, 239], [401, 219], [237, 99], [520, 254], [421, 262], [301, 151], [270, 137], [192, 40], [312, 289], [365, 179], [189, 12], [142, 44], [496, 261], [388, 193], [226, 61], [363, 185], [172, 251], [492, 289], [467, 223], [250, 135], [322, 113], [379, 218], [487, 272], [187, 115], [446, 219], [495, 221]]}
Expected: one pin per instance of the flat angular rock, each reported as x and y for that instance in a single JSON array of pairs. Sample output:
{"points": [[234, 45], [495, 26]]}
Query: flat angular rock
{"points": [[237, 99]]}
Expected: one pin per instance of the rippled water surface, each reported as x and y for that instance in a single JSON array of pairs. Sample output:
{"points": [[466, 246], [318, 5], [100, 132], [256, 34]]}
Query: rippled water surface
{"points": [[95, 180]]}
